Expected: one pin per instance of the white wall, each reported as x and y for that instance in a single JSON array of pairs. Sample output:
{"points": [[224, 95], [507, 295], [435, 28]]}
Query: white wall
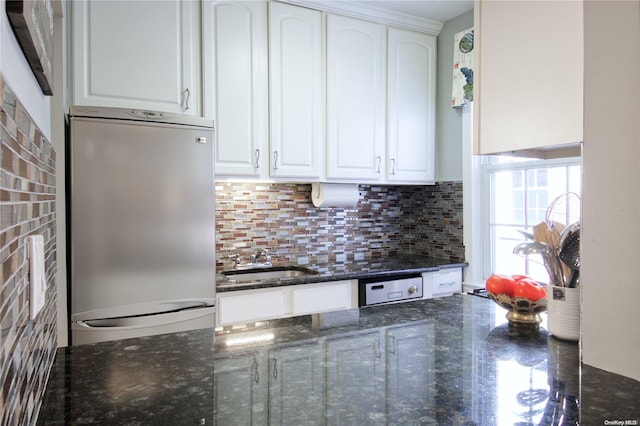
{"points": [[20, 78], [448, 120], [611, 180]]}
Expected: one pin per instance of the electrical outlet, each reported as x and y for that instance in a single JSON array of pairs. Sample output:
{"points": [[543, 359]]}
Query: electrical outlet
{"points": [[37, 280]]}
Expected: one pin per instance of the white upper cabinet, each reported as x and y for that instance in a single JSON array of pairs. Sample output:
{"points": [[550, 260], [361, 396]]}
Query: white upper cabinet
{"points": [[356, 108], [528, 80], [136, 54], [296, 96], [236, 84], [411, 107]]}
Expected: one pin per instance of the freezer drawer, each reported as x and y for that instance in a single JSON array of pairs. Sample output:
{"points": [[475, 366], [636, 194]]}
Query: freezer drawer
{"points": [[102, 330]]}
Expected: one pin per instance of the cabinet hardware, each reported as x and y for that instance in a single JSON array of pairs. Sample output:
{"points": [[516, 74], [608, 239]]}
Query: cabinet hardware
{"points": [[379, 354], [187, 97], [257, 155], [379, 158], [275, 368], [256, 376], [393, 166], [275, 160], [393, 345]]}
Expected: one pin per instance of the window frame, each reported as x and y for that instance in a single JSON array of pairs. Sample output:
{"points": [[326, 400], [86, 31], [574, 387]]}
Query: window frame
{"points": [[492, 164]]}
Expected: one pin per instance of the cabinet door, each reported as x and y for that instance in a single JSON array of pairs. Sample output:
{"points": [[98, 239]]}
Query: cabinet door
{"points": [[447, 282], [295, 75], [240, 389], [411, 384], [528, 74], [411, 107], [297, 374], [355, 379], [235, 84], [136, 54], [316, 298], [243, 306], [356, 73]]}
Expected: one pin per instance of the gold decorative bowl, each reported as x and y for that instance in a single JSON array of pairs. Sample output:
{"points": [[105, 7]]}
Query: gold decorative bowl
{"points": [[521, 311]]}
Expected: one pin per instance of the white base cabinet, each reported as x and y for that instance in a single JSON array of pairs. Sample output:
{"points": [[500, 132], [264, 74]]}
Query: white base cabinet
{"points": [[313, 299], [279, 302], [253, 305], [285, 301], [136, 54], [444, 282]]}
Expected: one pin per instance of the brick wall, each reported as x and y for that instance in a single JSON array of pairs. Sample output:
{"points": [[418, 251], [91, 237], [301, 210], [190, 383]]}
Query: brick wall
{"points": [[387, 221], [27, 206]]}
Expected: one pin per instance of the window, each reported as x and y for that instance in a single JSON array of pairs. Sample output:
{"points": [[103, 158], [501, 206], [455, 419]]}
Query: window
{"points": [[519, 194]]}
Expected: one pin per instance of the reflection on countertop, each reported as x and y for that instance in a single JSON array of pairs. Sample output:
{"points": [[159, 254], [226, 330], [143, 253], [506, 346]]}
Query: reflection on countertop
{"points": [[446, 361]]}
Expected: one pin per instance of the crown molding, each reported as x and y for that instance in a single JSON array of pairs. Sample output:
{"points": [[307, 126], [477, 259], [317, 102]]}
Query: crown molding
{"points": [[372, 13]]}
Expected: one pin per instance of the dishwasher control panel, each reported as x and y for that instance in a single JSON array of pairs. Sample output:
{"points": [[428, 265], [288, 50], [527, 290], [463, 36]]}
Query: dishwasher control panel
{"points": [[375, 291]]}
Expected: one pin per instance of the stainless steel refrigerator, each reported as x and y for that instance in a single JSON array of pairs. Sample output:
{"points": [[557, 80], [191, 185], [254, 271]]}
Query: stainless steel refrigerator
{"points": [[141, 223]]}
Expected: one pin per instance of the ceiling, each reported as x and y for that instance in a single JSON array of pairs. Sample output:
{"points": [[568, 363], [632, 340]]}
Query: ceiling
{"points": [[437, 10]]}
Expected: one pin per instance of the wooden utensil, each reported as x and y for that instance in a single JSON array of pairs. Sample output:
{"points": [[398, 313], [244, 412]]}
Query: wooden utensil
{"points": [[551, 236]]}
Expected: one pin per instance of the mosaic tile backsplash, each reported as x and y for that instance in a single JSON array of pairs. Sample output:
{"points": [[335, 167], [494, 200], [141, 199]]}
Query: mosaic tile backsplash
{"points": [[387, 221], [27, 206]]}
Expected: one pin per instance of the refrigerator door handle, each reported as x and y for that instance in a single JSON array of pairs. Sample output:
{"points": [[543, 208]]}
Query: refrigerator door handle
{"points": [[145, 321], [140, 309], [178, 306]]}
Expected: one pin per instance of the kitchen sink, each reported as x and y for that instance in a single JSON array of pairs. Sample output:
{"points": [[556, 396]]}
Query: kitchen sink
{"points": [[269, 273]]}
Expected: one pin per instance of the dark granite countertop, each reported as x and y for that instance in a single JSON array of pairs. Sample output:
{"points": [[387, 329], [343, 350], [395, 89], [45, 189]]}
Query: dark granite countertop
{"points": [[348, 271], [447, 361]]}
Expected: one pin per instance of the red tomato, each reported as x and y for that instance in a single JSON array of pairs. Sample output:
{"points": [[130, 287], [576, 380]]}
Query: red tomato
{"points": [[529, 289], [518, 277], [500, 284]]}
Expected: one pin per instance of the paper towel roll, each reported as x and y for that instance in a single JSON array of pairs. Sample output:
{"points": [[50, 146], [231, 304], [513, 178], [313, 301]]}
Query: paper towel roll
{"points": [[335, 194]]}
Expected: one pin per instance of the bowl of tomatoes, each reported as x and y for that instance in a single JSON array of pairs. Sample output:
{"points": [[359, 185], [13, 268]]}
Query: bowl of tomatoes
{"points": [[523, 297]]}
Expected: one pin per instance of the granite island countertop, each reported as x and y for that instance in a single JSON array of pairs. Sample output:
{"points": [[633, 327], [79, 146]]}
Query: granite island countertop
{"points": [[446, 361], [384, 267]]}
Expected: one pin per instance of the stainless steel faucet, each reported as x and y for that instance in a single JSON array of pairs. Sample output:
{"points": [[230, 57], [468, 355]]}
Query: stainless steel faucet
{"points": [[253, 262], [236, 259], [260, 253]]}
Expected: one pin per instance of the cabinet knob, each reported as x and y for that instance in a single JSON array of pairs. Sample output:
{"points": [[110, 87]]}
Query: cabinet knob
{"points": [[412, 289]]}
